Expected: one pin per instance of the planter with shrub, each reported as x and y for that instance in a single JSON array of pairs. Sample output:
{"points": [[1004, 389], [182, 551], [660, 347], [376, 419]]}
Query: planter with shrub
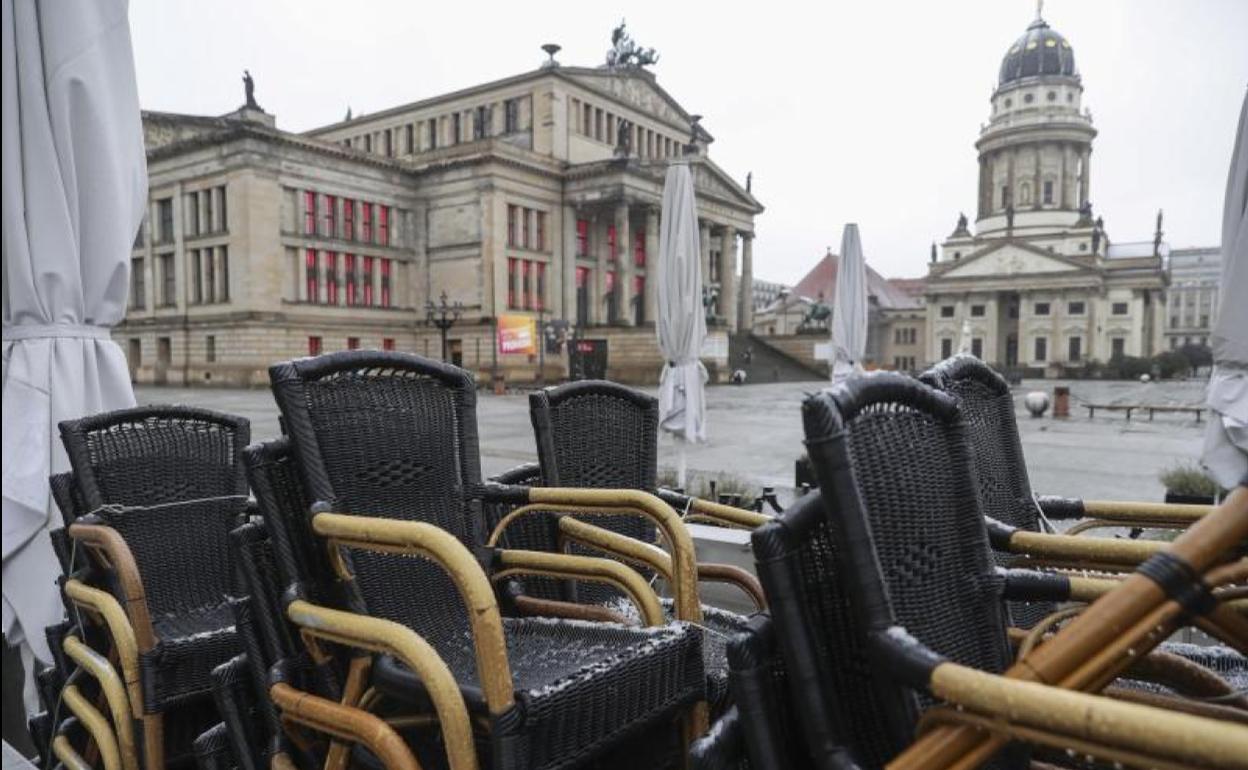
{"points": [[1187, 483]]}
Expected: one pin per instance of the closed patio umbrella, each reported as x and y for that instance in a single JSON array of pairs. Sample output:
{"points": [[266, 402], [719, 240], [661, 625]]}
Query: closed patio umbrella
{"points": [[849, 309], [75, 185], [964, 337], [681, 321], [1226, 438]]}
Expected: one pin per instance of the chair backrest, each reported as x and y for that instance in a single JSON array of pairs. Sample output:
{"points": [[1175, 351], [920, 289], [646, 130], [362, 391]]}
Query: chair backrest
{"points": [[283, 504], [832, 689], [760, 685], [594, 433], [390, 435], [68, 499], [897, 479], [1000, 469], [537, 532], [170, 481]]}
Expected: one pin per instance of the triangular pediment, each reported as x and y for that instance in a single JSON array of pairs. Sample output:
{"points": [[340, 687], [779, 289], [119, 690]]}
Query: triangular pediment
{"points": [[711, 179], [1012, 258], [636, 89]]}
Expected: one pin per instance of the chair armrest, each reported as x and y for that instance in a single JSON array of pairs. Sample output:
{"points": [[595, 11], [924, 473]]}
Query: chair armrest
{"points": [[553, 608], [695, 509], [442, 548], [560, 565], [1015, 703], [1119, 554], [113, 553], [626, 502], [114, 691], [1030, 585], [390, 638], [709, 572], [120, 631], [95, 724], [349, 724], [1142, 514]]}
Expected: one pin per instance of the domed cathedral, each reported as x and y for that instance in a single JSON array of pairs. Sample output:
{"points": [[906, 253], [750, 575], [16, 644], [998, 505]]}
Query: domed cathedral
{"points": [[1039, 285]]}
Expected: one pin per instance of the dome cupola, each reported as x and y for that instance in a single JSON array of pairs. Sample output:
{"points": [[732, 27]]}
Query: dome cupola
{"points": [[1040, 52]]}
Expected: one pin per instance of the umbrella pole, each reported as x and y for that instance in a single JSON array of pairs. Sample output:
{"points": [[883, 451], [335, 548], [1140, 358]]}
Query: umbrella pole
{"points": [[681, 466]]}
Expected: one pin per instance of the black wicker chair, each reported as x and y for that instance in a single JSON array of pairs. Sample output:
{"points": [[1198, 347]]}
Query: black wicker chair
{"points": [[394, 435], [599, 434], [158, 490]]}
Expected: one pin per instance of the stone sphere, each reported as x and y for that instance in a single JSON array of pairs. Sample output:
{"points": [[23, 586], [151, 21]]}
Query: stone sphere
{"points": [[1145, 378], [1037, 402]]}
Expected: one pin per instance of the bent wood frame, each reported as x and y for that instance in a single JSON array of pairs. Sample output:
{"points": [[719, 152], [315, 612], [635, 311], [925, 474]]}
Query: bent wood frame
{"points": [[95, 724], [114, 691], [1093, 648], [355, 725]]}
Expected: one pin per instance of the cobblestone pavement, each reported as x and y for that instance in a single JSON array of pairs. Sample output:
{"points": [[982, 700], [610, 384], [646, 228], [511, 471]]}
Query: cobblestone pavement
{"points": [[755, 433]]}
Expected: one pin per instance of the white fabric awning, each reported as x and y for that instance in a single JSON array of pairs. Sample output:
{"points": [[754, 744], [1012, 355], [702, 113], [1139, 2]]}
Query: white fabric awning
{"points": [[75, 186], [849, 309]]}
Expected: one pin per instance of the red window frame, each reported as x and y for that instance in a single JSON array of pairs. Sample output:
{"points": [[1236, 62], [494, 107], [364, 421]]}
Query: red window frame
{"points": [[385, 282], [348, 268], [611, 245], [314, 346], [639, 248], [348, 218], [309, 212], [639, 286], [582, 238], [368, 281], [582, 277], [610, 287], [331, 216], [539, 289], [387, 343], [353, 343], [313, 286], [366, 222], [383, 225], [511, 282], [540, 244], [526, 286], [331, 277]]}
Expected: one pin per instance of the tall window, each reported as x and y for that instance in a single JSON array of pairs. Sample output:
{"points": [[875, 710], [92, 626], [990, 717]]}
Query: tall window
{"points": [[526, 284], [639, 248], [540, 219], [1074, 349], [582, 296], [309, 213], [639, 304], [224, 294], [366, 222], [1048, 192], [582, 238], [210, 348], [611, 250], [977, 347], [946, 347], [526, 238], [197, 283], [313, 280], [383, 225], [481, 123], [1042, 349], [164, 210], [410, 135], [433, 134], [224, 223], [314, 346], [348, 219], [192, 213], [348, 269], [1118, 347], [511, 116], [368, 281], [210, 275], [385, 282], [168, 280], [511, 283], [539, 291], [613, 303], [388, 142], [456, 120], [512, 213], [331, 277], [331, 216], [138, 284], [368, 143]]}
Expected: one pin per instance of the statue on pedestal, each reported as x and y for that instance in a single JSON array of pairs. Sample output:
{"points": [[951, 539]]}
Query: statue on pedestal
{"points": [[249, 89]]}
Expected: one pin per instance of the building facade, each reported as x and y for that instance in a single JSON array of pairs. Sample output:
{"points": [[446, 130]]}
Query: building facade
{"points": [[1192, 300], [1039, 282], [536, 195]]}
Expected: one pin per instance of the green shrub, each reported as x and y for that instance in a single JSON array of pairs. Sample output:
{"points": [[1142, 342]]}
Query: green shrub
{"points": [[1189, 479]]}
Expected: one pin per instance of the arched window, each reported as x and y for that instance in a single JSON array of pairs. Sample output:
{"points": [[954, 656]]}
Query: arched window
{"points": [[1024, 194], [1047, 191]]}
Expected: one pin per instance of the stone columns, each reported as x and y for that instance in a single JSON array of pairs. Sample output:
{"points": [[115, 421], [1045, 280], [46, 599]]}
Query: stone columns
{"points": [[652, 264], [728, 277], [1085, 157], [602, 249], [704, 245], [567, 265], [624, 262], [745, 316], [1037, 199], [1009, 181]]}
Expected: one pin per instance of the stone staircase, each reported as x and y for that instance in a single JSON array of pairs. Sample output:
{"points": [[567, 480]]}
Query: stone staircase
{"points": [[766, 362]]}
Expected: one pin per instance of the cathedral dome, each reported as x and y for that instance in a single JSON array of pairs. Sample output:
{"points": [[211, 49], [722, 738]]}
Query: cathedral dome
{"points": [[1040, 51]]}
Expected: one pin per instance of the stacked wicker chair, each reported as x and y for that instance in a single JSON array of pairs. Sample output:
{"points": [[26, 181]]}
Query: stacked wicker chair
{"points": [[386, 447], [153, 494], [887, 599], [599, 434]]}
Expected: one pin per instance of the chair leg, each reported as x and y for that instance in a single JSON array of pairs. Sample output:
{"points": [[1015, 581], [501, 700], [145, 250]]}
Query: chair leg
{"points": [[154, 741]]}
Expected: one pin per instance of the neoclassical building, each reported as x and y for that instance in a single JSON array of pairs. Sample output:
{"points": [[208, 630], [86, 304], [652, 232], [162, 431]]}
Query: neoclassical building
{"points": [[536, 195], [1038, 283]]}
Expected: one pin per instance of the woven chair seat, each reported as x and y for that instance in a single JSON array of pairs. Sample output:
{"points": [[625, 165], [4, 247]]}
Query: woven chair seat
{"points": [[192, 643], [569, 677]]}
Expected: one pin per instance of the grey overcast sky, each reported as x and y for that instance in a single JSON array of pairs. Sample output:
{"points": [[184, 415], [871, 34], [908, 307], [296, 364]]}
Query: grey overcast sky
{"points": [[860, 112]]}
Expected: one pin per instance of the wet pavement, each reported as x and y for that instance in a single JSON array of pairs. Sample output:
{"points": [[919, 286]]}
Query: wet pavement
{"points": [[755, 433]]}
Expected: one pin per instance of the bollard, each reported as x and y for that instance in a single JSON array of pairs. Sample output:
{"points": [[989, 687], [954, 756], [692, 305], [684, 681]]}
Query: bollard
{"points": [[1061, 401]]}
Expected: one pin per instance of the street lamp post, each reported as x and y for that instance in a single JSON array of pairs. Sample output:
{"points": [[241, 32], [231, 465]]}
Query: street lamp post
{"points": [[443, 315]]}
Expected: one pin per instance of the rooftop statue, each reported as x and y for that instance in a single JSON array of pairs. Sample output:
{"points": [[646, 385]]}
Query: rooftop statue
{"points": [[249, 88], [625, 53]]}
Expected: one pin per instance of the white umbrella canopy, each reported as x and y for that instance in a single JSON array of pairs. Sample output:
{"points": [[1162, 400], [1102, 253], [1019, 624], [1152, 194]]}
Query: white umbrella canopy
{"points": [[849, 309], [681, 321], [74, 190], [1226, 438]]}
